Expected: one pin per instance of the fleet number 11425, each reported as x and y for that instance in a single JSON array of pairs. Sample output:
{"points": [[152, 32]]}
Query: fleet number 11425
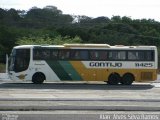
{"points": [[144, 64]]}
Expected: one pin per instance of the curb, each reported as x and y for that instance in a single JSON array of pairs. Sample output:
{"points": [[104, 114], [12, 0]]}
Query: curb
{"points": [[79, 99], [71, 107], [79, 104]]}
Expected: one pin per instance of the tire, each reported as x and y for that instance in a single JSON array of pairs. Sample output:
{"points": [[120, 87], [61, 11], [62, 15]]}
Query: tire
{"points": [[38, 78], [114, 79], [127, 79]]}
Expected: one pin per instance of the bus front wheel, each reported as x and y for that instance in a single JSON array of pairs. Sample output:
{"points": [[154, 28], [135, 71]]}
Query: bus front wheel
{"points": [[38, 78], [114, 79], [127, 79]]}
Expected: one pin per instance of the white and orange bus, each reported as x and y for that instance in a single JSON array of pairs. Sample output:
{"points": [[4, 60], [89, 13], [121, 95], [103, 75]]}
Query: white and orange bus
{"points": [[84, 62]]}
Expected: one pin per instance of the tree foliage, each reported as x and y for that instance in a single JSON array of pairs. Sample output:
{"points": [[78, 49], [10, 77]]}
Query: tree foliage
{"points": [[46, 40], [49, 25]]}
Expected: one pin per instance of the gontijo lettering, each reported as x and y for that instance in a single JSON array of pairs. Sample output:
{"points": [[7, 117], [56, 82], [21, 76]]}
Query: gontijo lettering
{"points": [[104, 64]]}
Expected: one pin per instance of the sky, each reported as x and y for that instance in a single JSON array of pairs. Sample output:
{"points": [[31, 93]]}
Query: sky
{"points": [[135, 9]]}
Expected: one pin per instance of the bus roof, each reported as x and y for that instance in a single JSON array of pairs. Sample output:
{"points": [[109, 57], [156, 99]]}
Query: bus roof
{"points": [[86, 46]]}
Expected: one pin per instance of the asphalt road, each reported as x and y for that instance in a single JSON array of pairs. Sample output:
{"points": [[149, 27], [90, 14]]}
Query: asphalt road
{"points": [[78, 115], [79, 96], [78, 101], [70, 90]]}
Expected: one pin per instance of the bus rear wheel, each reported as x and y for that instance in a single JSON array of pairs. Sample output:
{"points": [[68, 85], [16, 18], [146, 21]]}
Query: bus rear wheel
{"points": [[127, 79], [114, 79], [38, 78]]}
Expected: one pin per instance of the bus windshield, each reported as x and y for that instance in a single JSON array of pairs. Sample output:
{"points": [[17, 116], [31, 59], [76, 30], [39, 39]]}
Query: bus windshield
{"points": [[19, 60]]}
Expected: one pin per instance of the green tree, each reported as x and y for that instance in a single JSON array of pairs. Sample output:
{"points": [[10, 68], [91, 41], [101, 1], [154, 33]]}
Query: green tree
{"points": [[47, 40], [46, 17]]}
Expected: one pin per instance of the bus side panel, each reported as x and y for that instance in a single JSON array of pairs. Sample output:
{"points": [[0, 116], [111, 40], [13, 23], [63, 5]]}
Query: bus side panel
{"points": [[86, 74], [89, 74], [102, 74], [141, 75], [64, 70]]}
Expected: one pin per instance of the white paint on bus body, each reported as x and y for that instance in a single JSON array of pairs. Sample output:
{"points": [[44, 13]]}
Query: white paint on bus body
{"points": [[119, 64]]}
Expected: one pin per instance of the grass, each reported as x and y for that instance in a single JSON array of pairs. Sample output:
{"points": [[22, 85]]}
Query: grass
{"points": [[2, 68]]}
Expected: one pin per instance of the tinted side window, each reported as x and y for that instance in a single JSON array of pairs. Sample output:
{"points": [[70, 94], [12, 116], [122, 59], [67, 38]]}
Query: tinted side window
{"points": [[149, 55], [54, 54], [45, 54], [117, 55], [98, 55], [79, 55], [141, 55], [37, 54], [60, 54], [136, 55], [64, 54]]}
